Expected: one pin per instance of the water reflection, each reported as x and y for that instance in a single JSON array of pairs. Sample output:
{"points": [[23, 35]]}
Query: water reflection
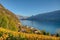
{"points": [[48, 26]]}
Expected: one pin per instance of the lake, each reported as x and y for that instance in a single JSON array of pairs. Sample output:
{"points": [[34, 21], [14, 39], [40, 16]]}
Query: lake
{"points": [[51, 27]]}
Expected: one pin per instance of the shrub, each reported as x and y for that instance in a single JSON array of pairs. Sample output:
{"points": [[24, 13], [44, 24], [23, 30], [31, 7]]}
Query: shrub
{"points": [[44, 32], [57, 35], [1, 34], [48, 33]]}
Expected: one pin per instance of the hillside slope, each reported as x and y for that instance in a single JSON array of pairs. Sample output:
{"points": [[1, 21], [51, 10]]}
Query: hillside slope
{"points": [[8, 19]]}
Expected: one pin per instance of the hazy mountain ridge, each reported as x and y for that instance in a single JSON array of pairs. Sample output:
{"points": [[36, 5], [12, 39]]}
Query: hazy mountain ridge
{"points": [[22, 17], [50, 16]]}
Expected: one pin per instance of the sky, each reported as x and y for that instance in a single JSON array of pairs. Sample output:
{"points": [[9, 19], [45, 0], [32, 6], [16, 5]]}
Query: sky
{"points": [[31, 7]]}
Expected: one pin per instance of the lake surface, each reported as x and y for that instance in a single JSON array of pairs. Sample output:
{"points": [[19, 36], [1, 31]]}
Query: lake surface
{"points": [[51, 27]]}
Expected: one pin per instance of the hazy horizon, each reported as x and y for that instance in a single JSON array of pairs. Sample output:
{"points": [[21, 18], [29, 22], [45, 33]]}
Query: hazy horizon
{"points": [[31, 7]]}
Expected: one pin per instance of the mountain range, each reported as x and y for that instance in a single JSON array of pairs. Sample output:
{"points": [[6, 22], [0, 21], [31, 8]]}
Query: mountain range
{"points": [[49, 16], [20, 17]]}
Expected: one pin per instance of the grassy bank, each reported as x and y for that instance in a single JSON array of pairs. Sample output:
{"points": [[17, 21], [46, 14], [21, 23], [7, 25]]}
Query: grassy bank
{"points": [[6, 34]]}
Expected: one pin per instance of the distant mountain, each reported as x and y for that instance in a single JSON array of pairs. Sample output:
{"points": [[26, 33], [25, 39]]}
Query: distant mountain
{"points": [[50, 16], [22, 17], [8, 19]]}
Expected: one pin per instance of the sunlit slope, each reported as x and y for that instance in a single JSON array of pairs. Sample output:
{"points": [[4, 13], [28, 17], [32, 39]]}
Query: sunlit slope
{"points": [[14, 35], [8, 19]]}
